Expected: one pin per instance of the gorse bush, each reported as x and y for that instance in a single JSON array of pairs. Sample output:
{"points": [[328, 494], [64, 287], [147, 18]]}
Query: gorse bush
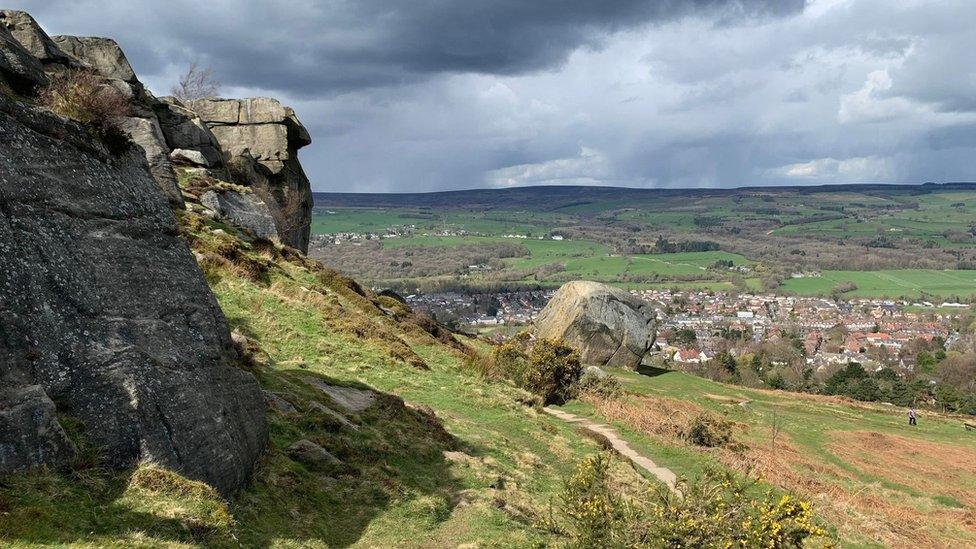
{"points": [[713, 511], [717, 511], [82, 96], [590, 512], [709, 430], [507, 362], [555, 369], [551, 369]]}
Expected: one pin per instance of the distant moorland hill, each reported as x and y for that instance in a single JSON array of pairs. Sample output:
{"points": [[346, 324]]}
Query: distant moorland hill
{"points": [[845, 240]]}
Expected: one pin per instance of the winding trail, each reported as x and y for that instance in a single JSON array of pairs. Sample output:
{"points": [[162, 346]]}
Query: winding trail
{"points": [[619, 445]]}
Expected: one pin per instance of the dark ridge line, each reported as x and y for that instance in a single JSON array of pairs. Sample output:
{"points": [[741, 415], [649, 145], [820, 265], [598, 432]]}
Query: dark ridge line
{"points": [[543, 196]]}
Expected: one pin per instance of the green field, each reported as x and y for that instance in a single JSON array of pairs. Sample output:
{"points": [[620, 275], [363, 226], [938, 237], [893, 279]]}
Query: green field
{"points": [[582, 259], [610, 267], [890, 283], [917, 240]]}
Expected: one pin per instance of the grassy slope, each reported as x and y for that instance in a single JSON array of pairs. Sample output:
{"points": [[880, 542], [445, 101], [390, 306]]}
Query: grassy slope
{"points": [[871, 477], [395, 487]]}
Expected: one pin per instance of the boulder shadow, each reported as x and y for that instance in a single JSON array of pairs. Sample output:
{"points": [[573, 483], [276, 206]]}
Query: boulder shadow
{"points": [[651, 371]]}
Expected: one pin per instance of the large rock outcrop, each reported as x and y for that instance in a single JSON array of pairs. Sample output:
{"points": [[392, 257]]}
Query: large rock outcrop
{"points": [[187, 131], [101, 54], [250, 142], [32, 37], [105, 316], [260, 139], [607, 325], [105, 57]]}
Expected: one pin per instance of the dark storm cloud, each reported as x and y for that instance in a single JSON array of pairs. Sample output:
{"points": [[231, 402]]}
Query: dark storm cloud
{"points": [[405, 95], [314, 48]]}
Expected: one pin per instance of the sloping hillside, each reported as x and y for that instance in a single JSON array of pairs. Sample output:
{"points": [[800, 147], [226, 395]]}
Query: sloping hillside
{"points": [[868, 474], [426, 452]]}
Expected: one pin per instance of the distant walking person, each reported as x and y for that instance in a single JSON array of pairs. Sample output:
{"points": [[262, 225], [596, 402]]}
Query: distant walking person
{"points": [[911, 416]]}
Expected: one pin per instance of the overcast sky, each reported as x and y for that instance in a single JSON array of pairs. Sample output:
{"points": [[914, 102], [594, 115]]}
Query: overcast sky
{"points": [[422, 95]]}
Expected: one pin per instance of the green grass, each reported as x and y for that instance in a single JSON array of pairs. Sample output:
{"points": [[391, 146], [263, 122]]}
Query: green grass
{"points": [[888, 283], [591, 260]]}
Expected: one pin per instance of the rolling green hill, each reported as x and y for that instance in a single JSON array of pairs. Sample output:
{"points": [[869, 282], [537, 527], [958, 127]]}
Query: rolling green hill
{"points": [[901, 240]]}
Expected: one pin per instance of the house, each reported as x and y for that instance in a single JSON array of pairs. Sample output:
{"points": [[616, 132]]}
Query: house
{"points": [[690, 356], [881, 339], [853, 344]]}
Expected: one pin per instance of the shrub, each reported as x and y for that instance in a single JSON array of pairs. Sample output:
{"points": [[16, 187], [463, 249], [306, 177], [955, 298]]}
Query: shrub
{"points": [[552, 370], [591, 512], [716, 510], [709, 430], [555, 369], [82, 96], [508, 362]]}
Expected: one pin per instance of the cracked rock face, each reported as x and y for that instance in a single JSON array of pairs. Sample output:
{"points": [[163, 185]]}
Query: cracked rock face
{"points": [[104, 57], [102, 54], [252, 142], [243, 210], [260, 139], [607, 325], [105, 316]]}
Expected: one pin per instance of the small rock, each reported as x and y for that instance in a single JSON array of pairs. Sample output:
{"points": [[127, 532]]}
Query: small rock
{"points": [[353, 400], [276, 402], [196, 172], [594, 371], [239, 339], [458, 457], [185, 156], [465, 498], [311, 455], [315, 405], [243, 210]]}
